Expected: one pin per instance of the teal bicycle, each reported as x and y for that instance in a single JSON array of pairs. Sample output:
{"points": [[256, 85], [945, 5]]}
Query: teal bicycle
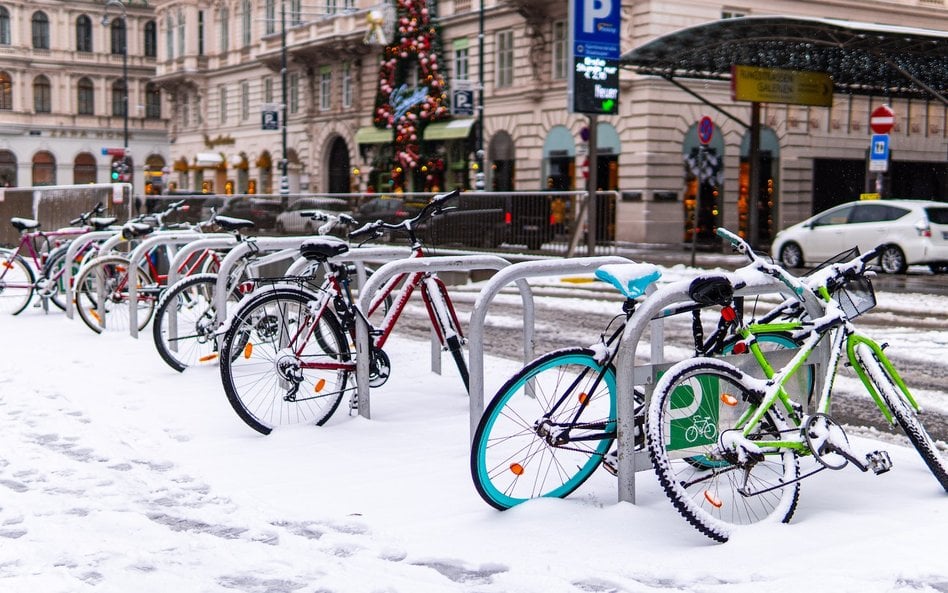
{"points": [[747, 469]]}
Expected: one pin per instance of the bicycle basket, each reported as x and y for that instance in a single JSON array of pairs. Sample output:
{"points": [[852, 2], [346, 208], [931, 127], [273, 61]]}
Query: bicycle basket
{"points": [[855, 297]]}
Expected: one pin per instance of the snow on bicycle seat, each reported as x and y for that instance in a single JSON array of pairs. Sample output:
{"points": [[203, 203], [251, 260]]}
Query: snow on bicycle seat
{"points": [[100, 223], [24, 224], [132, 230], [229, 223], [323, 248], [630, 279]]}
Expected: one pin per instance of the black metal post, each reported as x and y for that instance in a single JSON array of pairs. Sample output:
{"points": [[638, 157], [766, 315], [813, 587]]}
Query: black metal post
{"points": [[480, 176], [284, 163], [126, 169]]}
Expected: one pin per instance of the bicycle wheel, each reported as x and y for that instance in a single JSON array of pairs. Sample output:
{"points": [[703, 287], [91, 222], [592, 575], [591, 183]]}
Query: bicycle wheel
{"points": [[733, 486], [904, 413], [185, 322], [54, 272], [513, 458], [16, 282], [800, 386], [265, 358], [108, 276]]}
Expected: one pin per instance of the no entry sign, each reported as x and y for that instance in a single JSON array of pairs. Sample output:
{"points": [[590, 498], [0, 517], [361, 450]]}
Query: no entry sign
{"points": [[882, 119]]}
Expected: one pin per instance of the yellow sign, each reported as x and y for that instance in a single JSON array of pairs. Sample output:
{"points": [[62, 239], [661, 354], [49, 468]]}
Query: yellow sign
{"points": [[869, 196], [770, 85]]}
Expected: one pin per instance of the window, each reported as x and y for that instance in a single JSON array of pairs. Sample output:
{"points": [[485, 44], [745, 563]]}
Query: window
{"points": [[330, 6], [244, 100], [152, 101], [42, 101], [169, 38], [224, 41], [119, 98], [461, 65], [85, 97], [118, 36], [222, 97], [270, 17], [325, 88], [4, 26], [296, 12], [151, 39], [731, 13], [40, 23], [503, 69], [876, 213], [838, 216], [185, 113], [6, 92], [200, 33], [346, 85], [83, 34], [246, 20], [181, 32], [267, 89], [560, 53], [294, 93]]}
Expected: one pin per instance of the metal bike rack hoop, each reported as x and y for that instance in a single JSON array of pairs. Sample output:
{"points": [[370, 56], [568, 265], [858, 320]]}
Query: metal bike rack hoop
{"points": [[75, 246]]}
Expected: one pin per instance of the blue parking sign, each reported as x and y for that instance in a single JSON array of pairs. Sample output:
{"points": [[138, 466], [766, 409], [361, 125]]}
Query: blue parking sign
{"points": [[879, 152]]}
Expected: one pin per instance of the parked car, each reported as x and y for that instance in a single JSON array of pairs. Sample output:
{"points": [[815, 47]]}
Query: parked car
{"points": [[296, 218], [260, 210], [912, 231], [389, 209]]}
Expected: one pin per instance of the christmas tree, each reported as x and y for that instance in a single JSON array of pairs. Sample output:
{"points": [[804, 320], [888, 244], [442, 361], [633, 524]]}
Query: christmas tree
{"points": [[412, 94]]}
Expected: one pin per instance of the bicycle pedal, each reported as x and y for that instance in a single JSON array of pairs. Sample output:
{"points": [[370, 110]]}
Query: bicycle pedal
{"points": [[610, 462], [879, 462]]}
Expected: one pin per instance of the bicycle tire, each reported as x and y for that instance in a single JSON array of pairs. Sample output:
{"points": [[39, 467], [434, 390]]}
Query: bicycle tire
{"points": [[17, 282], [192, 340], [250, 356], [112, 271], [707, 495], [801, 389], [904, 413], [55, 262], [511, 462]]}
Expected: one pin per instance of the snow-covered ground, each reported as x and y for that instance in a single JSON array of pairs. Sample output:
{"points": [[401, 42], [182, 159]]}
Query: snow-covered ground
{"points": [[118, 474]]}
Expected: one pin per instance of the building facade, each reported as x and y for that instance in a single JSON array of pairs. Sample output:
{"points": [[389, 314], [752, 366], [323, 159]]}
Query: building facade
{"points": [[68, 79], [235, 117]]}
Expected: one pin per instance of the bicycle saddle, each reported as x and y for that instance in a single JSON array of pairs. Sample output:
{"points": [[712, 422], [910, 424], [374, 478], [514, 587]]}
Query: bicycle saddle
{"points": [[323, 248], [629, 279], [132, 230], [100, 223], [24, 224], [711, 290], [229, 223]]}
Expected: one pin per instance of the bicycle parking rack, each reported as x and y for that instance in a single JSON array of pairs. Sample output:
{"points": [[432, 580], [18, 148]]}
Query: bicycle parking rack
{"points": [[407, 266], [628, 374], [516, 273], [74, 248], [138, 254]]}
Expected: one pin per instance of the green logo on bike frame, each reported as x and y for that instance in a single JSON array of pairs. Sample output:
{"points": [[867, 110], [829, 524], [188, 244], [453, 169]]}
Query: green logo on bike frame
{"points": [[693, 418]]}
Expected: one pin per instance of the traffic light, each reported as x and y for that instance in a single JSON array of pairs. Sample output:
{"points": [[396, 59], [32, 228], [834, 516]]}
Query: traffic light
{"points": [[121, 172]]}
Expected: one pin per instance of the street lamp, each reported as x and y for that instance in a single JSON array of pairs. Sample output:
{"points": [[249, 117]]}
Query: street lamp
{"points": [[284, 164], [105, 23]]}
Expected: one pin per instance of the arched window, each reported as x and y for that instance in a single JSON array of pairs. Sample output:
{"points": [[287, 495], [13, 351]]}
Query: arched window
{"points": [[152, 101], [151, 40], [118, 36], [40, 24], [44, 168], [84, 168], [118, 98], [83, 33], [42, 100], [85, 97], [7, 169], [6, 92], [4, 26]]}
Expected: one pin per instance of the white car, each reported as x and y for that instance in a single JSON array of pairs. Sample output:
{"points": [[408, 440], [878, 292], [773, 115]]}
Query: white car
{"points": [[911, 231], [295, 219]]}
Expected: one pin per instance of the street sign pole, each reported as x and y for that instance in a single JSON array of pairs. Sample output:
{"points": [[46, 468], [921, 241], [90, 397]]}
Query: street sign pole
{"points": [[881, 122]]}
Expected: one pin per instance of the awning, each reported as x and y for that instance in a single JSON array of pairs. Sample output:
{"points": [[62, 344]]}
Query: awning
{"points": [[456, 129], [373, 135], [208, 159]]}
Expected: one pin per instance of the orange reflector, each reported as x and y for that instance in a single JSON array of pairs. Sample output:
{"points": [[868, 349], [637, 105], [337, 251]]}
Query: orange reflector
{"points": [[728, 399], [248, 350], [516, 468], [712, 499], [208, 357], [95, 316], [7, 265], [319, 385], [739, 348], [584, 398]]}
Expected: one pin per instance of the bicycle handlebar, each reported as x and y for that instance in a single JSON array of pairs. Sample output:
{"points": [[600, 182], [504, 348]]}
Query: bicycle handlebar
{"points": [[771, 269], [85, 216], [331, 221], [437, 205]]}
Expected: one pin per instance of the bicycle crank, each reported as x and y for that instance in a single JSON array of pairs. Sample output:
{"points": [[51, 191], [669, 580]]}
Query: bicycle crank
{"points": [[290, 373], [380, 367]]}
